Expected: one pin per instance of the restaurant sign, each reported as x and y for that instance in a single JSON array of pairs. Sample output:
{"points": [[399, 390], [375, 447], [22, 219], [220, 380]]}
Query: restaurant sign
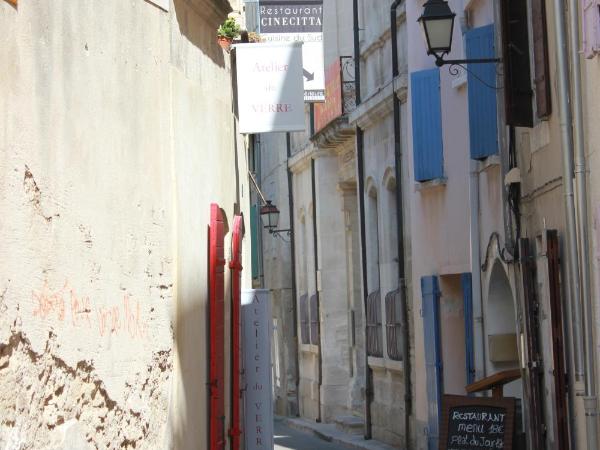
{"points": [[298, 21], [269, 85]]}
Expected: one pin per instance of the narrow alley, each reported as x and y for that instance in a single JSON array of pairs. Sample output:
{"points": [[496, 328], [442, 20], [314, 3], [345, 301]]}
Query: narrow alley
{"points": [[299, 434], [287, 438], [299, 224]]}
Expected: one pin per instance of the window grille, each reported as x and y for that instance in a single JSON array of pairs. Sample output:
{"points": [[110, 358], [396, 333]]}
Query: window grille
{"points": [[393, 318], [314, 319], [304, 323], [374, 328]]}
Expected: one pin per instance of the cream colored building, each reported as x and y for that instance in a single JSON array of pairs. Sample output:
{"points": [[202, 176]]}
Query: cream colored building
{"points": [[117, 134]]}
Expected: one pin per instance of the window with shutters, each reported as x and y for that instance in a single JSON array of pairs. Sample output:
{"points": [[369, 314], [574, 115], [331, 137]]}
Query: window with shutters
{"points": [[314, 319], [518, 93], [427, 125], [481, 79], [374, 329], [393, 318], [590, 10], [304, 320]]}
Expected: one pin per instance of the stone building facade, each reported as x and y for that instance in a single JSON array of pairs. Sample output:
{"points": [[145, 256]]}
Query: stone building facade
{"points": [[109, 162]]}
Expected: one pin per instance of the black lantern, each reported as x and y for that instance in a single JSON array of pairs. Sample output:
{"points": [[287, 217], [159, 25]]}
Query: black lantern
{"points": [[269, 215], [437, 23]]}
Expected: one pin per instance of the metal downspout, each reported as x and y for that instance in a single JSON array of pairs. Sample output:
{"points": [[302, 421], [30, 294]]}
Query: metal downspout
{"points": [[316, 256], [590, 400], [363, 253], [293, 257], [400, 230], [567, 145], [361, 210]]}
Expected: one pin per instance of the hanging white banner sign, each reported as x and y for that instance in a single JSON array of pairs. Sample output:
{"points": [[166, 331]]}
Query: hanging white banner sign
{"points": [[298, 20], [270, 91], [256, 348]]}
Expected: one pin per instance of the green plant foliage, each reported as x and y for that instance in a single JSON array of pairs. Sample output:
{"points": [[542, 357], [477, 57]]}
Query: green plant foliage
{"points": [[228, 29]]}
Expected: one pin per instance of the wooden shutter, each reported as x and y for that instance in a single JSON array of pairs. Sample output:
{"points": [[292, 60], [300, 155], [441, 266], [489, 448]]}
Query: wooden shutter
{"points": [[427, 125], [217, 328], [533, 373], [235, 266], [590, 10], [481, 78], [314, 319], [540, 58], [518, 95], [466, 283], [433, 356], [558, 355]]}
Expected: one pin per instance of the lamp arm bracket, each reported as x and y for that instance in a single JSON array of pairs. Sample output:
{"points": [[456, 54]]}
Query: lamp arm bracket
{"points": [[439, 61]]}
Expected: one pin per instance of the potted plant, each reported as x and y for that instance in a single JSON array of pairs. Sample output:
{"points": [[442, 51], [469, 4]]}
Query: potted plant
{"points": [[227, 32]]}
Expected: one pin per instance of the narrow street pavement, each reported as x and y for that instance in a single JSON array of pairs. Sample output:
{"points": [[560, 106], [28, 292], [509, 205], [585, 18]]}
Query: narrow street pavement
{"points": [[287, 438]]}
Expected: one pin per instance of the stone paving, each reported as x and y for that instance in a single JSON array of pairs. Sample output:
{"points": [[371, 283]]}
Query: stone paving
{"points": [[300, 434]]}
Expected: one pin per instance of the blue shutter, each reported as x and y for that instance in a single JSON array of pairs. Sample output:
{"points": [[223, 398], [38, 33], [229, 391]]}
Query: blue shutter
{"points": [[483, 125], [427, 125], [433, 356], [466, 282]]}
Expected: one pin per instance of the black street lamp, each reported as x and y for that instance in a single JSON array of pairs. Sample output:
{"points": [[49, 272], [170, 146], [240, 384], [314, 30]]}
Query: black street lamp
{"points": [[269, 215], [437, 23]]}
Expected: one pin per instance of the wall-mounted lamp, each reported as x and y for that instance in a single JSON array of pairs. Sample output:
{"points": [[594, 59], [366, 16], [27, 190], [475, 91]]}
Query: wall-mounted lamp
{"points": [[269, 215], [437, 23]]}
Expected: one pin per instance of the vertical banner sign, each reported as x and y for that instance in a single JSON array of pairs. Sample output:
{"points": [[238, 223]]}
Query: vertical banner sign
{"points": [[258, 401], [269, 83], [298, 20], [327, 112]]}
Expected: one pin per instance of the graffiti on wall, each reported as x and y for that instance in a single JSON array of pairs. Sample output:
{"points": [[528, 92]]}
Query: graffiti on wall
{"points": [[65, 305]]}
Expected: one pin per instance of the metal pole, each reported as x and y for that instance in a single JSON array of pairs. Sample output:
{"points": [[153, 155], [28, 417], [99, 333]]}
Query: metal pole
{"points": [[400, 231], [567, 146], [363, 253], [590, 401], [361, 209]]}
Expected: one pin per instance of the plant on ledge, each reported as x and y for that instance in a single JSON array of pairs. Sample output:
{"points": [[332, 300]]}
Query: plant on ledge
{"points": [[254, 37], [227, 32]]}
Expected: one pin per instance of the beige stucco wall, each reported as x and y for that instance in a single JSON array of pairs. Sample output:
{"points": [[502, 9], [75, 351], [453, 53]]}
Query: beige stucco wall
{"points": [[109, 160]]}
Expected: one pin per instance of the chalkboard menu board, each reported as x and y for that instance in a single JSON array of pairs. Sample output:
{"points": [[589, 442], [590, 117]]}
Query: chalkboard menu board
{"points": [[477, 423]]}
